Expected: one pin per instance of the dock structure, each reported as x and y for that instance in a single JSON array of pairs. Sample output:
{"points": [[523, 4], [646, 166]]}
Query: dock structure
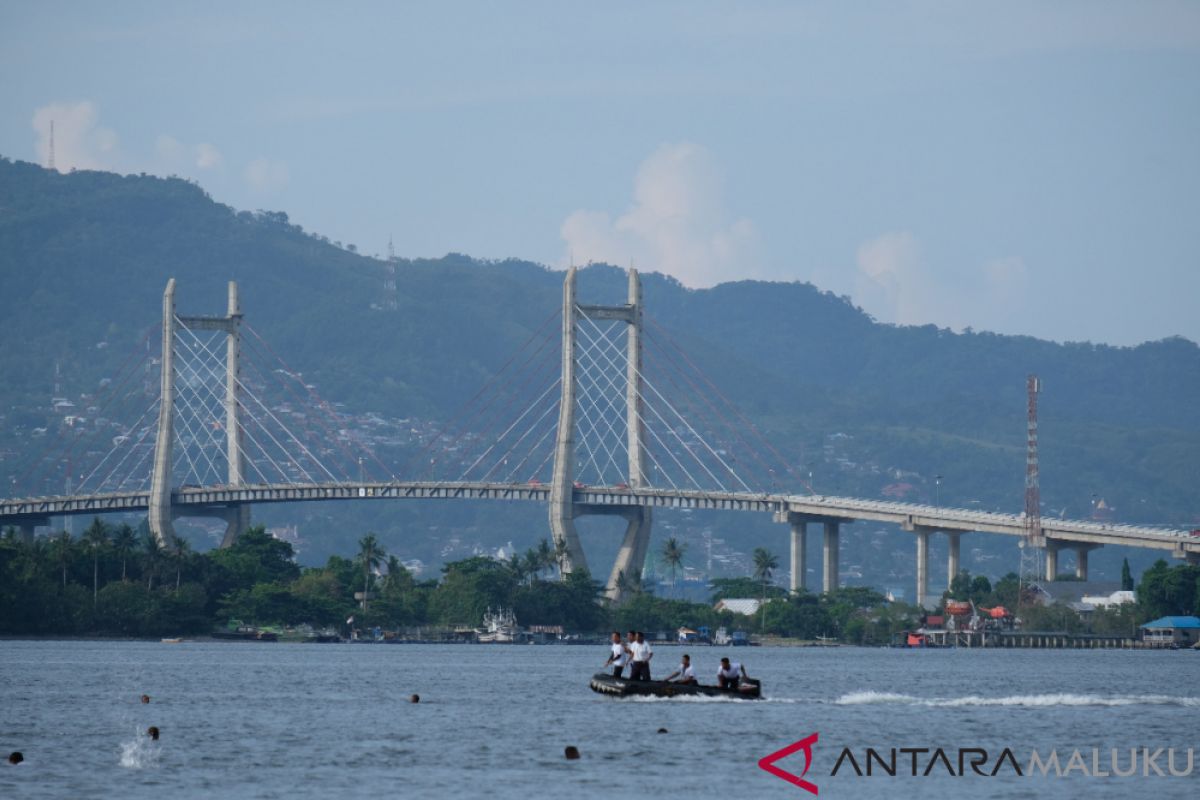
{"points": [[1038, 640]]}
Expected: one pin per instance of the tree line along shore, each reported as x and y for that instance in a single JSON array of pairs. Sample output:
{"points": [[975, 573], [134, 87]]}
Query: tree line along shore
{"points": [[119, 581]]}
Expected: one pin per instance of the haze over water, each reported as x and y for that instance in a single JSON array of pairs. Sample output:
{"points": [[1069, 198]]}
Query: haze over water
{"points": [[272, 720]]}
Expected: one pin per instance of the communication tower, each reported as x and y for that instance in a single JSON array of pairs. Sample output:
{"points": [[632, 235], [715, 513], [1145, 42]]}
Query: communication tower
{"points": [[389, 279], [1033, 543], [50, 164]]}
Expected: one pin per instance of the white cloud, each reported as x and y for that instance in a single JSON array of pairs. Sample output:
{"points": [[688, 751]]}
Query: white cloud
{"points": [[208, 156], [178, 158], [895, 283], [79, 142], [265, 175], [677, 223], [891, 278]]}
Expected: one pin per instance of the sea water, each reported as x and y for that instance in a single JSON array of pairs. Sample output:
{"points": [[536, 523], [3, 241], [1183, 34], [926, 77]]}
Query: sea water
{"points": [[293, 721]]}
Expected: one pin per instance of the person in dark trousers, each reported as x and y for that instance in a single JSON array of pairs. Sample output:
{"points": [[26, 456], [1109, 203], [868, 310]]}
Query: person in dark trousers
{"points": [[641, 654], [619, 655]]}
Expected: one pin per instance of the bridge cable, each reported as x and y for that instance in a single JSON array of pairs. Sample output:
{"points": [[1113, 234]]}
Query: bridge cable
{"points": [[669, 428], [460, 418], [514, 424], [114, 391], [672, 367], [750, 425], [536, 423], [256, 371], [322, 403], [668, 370], [541, 371], [654, 433], [129, 451], [690, 429], [617, 431], [271, 414], [507, 395]]}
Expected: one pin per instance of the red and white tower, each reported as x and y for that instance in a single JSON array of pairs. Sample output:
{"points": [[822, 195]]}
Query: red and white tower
{"points": [[1033, 543]]}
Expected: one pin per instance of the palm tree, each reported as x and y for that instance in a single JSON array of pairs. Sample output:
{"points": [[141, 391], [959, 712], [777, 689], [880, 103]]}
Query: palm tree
{"points": [[96, 537], [60, 550], [672, 556], [624, 584], [395, 571], [765, 564], [179, 554], [522, 565], [545, 555], [123, 542], [152, 557], [370, 555], [534, 564]]}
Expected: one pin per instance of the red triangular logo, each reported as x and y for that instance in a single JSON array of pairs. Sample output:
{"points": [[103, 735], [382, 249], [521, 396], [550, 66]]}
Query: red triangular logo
{"points": [[805, 744]]}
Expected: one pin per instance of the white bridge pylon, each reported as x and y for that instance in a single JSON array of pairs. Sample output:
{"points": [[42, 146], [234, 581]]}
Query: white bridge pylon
{"points": [[213, 427], [601, 410], [162, 515]]}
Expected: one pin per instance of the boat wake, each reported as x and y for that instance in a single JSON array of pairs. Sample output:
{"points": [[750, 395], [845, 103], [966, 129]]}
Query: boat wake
{"points": [[686, 698], [1020, 700]]}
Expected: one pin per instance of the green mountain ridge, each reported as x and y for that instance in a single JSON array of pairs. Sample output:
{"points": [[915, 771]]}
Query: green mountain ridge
{"points": [[84, 258]]}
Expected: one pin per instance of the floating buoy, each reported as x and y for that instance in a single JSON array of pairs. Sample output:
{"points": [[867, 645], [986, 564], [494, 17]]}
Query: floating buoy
{"points": [[571, 752], [145, 699], [416, 698], [16, 757], [152, 732], [662, 730]]}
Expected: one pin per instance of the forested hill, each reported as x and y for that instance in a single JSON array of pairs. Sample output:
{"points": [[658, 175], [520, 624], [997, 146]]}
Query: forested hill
{"points": [[84, 258]]}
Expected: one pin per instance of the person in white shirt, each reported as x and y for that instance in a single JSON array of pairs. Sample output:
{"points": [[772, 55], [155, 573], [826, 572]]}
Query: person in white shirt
{"points": [[685, 673], [639, 669], [618, 657], [729, 675]]}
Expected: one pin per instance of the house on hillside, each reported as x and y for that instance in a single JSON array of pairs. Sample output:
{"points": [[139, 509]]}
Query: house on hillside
{"points": [[1172, 630]]}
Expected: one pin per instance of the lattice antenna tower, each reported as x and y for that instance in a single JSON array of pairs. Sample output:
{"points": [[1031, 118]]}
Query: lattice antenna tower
{"points": [[50, 164], [389, 279], [1033, 543]]}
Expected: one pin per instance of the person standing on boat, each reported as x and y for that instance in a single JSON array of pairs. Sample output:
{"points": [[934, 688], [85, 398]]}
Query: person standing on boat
{"points": [[685, 672], [619, 655], [730, 674], [639, 670]]}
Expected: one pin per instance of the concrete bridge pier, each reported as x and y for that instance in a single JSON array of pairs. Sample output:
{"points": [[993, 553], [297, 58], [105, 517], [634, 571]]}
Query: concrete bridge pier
{"points": [[1051, 560], [1081, 560], [952, 563], [799, 560], [237, 520], [830, 553], [922, 535], [27, 527]]}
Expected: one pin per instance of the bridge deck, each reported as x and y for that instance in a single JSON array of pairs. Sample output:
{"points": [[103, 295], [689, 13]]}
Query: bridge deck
{"points": [[815, 508]]}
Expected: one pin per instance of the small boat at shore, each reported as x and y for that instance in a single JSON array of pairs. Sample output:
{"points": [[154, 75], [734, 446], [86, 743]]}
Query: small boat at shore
{"points": [[605, 683]]}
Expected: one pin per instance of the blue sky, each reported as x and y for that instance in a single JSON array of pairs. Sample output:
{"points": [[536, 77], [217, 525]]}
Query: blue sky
{"points": [[1019, 167]]}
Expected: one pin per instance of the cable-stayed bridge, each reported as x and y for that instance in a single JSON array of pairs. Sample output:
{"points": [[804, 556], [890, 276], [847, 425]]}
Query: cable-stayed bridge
{"points": [[601, 414]]}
